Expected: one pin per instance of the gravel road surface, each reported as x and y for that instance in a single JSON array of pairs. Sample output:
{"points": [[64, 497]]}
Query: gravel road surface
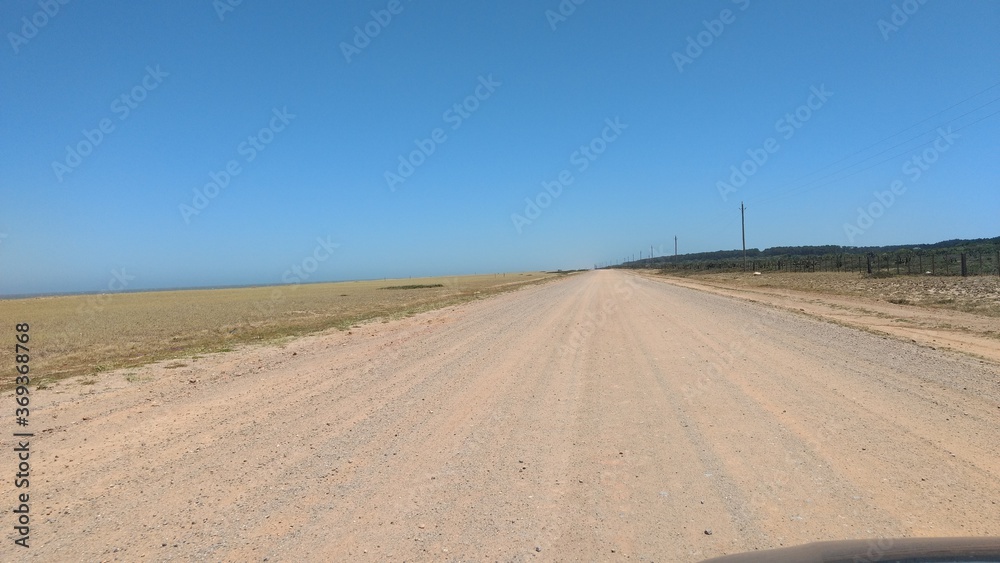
{"points": [[601, 417]]}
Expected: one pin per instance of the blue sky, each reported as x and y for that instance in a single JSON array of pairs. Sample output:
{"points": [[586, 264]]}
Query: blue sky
{"points": [[327, 98]]}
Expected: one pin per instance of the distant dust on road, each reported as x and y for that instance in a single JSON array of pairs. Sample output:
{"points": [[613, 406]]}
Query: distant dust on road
{"points": [[601, 417]]}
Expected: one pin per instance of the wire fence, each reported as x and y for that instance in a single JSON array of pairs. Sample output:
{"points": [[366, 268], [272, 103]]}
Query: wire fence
{"points": [[980, 262]]}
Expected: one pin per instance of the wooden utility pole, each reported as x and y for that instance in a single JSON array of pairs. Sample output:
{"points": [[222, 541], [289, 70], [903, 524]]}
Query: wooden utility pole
{"points": [[743, 221]]}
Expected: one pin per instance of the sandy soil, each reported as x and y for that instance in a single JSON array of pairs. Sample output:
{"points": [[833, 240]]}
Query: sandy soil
{"points": [[87, 334], [972, 294], [931, 326], [606, 416]]}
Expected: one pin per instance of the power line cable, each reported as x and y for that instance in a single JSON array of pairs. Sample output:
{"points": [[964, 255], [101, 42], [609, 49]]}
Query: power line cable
{"points": [[877, 163], [933, 129], [956, 104]]}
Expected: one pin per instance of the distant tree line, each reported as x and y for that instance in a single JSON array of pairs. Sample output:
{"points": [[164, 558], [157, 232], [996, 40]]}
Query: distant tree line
{"points": [[951, 257]]}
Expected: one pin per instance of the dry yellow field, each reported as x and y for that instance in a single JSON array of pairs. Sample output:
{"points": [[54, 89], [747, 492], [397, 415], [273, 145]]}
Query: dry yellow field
{"points": [[89, 334]]}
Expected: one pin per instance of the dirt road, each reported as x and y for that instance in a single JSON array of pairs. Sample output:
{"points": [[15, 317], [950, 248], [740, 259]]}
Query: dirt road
{"points": [[936, 327], [602, 417]]}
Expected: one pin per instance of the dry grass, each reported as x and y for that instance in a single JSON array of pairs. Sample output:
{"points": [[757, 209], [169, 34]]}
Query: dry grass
{"points": [[975, 294], [89, 334]]}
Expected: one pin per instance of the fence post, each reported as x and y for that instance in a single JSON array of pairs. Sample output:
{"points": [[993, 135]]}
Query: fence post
{"points": [[965, 270]]}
